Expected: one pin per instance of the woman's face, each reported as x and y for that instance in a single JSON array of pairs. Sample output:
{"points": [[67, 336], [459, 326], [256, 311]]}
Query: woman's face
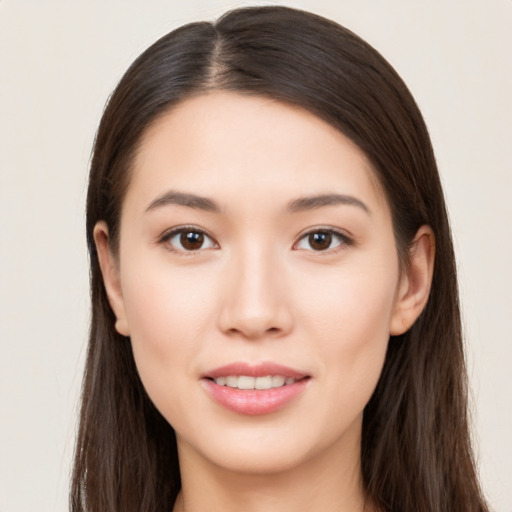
{"points": [[256, 247]]}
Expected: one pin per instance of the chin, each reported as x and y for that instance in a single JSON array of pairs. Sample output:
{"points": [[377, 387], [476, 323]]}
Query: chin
{"points": [[266, 447], [260, 460]]}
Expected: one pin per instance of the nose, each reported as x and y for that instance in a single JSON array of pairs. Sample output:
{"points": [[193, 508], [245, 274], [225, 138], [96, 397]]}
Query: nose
{"points": [[256, 300]]}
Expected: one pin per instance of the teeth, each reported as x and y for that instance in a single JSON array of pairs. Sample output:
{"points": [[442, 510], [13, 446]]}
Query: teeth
{"points": [[232, 382], [263, 382], [247, 382], [278, 381]]}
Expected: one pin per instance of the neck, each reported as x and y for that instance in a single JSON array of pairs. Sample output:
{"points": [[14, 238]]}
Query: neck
{"points": [[330, 481]]}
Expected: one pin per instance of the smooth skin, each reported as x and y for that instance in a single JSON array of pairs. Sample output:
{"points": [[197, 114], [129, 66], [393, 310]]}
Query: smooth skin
{"points": [[252, 231]]}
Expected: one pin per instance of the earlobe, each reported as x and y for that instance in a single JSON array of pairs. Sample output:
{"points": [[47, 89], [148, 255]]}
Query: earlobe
{"points": [[414, 287], [110, 272]]}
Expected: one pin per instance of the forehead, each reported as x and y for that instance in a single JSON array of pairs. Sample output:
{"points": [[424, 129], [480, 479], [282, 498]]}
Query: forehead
{"points": [[238, 147]]}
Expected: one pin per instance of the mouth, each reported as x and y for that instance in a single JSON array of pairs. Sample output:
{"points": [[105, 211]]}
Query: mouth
{"points": [[249, 382], [254, 389]]}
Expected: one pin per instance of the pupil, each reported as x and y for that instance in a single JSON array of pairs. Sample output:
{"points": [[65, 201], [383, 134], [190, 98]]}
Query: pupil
{"points": [[320, 241], [191, 240]]}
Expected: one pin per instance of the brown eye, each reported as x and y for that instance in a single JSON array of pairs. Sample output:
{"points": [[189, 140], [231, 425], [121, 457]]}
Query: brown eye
{"points": [[321, 240], [191, 241], [186, 240]]}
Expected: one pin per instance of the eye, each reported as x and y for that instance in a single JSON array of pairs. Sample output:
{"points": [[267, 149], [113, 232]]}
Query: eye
{"points": [[188, 239], [321, 240]]}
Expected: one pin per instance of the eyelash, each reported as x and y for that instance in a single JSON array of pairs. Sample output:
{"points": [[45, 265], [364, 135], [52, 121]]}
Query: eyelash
{"points": [[343, 239], [165, 239]]}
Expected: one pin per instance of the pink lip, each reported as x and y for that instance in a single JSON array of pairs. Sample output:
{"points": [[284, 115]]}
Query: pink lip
{"points": [[257, 401], [257, 370]]}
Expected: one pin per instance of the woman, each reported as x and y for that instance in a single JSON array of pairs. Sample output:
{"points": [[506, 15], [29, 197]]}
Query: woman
{"points": [[275, 318]]}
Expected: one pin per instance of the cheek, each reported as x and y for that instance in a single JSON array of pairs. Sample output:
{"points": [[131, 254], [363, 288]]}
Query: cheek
{"points": [[350, 301], [167, 314], [164, 302], [350, 319]]}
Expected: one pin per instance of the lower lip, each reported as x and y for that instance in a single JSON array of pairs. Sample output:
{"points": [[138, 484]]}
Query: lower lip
{"points": [[254, 401]]}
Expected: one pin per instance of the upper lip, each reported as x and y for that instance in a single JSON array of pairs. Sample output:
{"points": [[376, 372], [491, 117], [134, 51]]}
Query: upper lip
{"points": [[254, 370]]}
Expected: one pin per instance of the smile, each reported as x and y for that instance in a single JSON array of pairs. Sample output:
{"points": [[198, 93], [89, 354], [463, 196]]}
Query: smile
{"points": [[249, 382], [248, 389]]}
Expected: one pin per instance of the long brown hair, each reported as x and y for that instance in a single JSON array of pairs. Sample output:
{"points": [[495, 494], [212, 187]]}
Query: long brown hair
{"points": [[416, 451]]}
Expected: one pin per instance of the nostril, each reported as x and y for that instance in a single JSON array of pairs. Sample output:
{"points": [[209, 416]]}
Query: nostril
{"points": [[254, 320]]}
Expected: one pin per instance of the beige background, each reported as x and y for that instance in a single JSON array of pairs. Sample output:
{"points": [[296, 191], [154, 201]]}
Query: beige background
{"points": [[59, 60]]}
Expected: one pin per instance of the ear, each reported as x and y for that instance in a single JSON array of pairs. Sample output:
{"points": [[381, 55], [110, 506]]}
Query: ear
{"points": [[110, 272], [414, 286]]}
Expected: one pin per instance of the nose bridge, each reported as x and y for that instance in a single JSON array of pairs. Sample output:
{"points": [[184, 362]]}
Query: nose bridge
{"points": [[255, 303]]}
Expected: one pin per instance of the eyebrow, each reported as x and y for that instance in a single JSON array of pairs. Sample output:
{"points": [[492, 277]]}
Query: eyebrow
{"points": [[183, 199], [297, 205], [313, 202]]}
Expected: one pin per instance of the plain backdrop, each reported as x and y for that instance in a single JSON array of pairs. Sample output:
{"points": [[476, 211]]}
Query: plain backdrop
{"points": [[59, 60]]}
